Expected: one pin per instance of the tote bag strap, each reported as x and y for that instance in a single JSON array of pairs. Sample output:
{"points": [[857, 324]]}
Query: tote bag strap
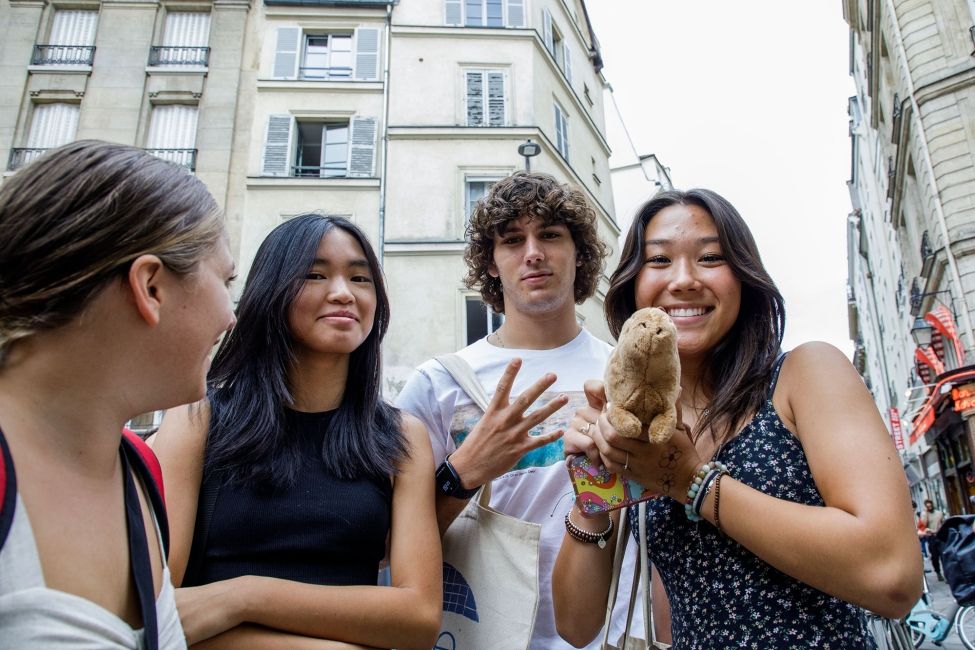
{"points": [[464, 375], [619, 552]]}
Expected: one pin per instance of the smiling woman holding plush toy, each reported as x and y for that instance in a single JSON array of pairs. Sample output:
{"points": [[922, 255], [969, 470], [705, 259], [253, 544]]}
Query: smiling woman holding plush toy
{"points": [[806, 515]]}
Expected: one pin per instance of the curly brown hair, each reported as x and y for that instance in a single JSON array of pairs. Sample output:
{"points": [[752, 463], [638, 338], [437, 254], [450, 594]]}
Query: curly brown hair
{"points": [[539, 196]]}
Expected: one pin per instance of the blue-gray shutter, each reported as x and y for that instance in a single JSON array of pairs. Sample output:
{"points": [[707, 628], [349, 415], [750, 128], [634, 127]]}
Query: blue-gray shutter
{"points": [[276, 160], [516, 13], [474, 98], [567, 63], [367, 53], [496, 108], [453, 13], [286, 53], [362, 147], [547, 31]]}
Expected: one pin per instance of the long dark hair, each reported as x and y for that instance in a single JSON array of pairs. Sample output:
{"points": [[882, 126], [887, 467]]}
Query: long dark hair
{"points": [[741, 364], [248, 380]]}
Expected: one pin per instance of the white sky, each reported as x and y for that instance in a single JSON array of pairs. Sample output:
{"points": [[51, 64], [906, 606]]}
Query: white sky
{"points": [[747, 99]]}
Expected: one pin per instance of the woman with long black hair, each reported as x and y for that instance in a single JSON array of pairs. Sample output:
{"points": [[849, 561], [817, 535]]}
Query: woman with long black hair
{"points": [[285, 484]]}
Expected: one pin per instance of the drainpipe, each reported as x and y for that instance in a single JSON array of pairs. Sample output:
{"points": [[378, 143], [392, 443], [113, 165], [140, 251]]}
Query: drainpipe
{"points": [[382, 173], [929, 167]]}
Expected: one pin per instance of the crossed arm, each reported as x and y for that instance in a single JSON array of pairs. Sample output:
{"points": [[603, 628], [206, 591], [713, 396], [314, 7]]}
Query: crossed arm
{"points": [[252, 611]]}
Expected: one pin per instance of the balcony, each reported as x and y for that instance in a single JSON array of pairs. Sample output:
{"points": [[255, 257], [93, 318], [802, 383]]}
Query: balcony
{"points": [[189, 56], [182, 157], [63, 55], [22, 157]]}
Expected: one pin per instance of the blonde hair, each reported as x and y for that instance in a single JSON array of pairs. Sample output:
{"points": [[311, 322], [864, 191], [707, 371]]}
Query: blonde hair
{"points": [[74, 220]]}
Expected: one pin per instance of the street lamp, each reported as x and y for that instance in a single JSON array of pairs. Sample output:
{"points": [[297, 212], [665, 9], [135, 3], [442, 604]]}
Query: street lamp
{"points": [[529, 149], [921, 332]]}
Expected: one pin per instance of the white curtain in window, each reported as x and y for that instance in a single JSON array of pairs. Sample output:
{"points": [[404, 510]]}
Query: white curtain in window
{"points": [[53, 125], [73, 27], [172, 126], [187, 29]]}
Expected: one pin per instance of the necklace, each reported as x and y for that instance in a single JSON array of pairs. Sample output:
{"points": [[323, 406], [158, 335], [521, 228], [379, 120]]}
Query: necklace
{"points": [[497, 338]]}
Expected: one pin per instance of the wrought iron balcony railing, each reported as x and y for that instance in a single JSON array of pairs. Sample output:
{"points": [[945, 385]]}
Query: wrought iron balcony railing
{"points": [[63, 55], [182, 157], [172, 55], [21, 157]]}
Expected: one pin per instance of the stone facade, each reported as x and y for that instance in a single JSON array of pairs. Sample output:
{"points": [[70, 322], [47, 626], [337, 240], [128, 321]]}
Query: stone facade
{"points": [[430, 100], [912, 229]]}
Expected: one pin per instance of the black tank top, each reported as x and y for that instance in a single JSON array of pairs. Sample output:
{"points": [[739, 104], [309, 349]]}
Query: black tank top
{"points": [[322, 530]]}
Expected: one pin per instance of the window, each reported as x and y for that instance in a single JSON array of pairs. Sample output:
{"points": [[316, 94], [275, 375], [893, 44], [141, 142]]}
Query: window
{"points": [[481, 319], [72, 39], [327, 56], [321, 56], [556, 45], [172, 134], [52, 125], [474, 189], [320, 148], [185, 39], [485, 98], [485, 13], [561, 132]]}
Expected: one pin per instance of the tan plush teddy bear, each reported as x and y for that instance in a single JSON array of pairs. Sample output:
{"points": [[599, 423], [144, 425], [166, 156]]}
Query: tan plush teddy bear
{"points": [[643, 376]]}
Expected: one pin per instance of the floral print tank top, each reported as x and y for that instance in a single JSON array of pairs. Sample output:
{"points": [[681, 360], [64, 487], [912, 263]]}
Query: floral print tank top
{"points": [[722, 595]]}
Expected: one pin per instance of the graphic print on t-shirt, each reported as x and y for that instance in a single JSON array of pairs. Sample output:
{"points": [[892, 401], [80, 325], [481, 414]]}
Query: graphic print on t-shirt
{"points": [[467, 416]]}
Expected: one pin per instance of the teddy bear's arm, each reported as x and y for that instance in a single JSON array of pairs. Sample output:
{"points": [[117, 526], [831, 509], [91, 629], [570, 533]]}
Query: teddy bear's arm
{"points": [[628, 425], [662, 425]]}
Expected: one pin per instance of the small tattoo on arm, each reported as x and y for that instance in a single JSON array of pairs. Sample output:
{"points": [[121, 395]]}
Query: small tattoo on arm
{"points": [[670, 457], [666, 483]]}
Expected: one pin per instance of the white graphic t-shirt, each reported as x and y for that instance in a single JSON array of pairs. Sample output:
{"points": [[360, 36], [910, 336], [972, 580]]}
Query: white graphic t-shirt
{"points": [[537, 489]]}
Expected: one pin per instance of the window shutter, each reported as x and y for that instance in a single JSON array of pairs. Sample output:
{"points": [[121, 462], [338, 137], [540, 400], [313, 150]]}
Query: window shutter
{"points": [[277, 146], [72, 27], [187, 29], [516, 13], [367, 53], [547, 31], [172, 127], [362, 147], [286, 53], [53, 125], [475, 98], [567, 62], [496, 107], [453, 12]]}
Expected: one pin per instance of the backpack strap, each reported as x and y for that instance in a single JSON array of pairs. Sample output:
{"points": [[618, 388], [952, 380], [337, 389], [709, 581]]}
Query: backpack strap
{"points": [[466, 378], [144, 460], [8, 490]]}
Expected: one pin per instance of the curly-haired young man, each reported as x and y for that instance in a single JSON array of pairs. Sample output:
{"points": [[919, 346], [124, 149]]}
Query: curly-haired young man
{"points": [[533, 253]]}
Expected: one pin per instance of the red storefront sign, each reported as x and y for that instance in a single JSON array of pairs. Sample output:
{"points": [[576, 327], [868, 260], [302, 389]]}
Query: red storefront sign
{"points": [[964, 397], [895, 428]]}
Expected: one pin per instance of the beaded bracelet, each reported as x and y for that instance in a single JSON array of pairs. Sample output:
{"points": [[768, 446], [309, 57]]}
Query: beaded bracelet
{"points": [[585, 536], [700, 484]]}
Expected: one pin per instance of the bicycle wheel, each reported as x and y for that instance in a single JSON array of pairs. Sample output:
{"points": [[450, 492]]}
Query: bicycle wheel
{"points": [[965, 626]]}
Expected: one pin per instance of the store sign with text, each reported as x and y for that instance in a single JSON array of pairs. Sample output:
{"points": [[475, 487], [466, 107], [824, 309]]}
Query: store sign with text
{"points": [[964, 397], [895, 428]]}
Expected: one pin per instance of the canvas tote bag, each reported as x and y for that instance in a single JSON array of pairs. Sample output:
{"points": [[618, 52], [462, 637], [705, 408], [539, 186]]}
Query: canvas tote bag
{"points": [[490, 563]]}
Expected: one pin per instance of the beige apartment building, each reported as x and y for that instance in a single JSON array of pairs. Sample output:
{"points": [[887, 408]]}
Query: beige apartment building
{"points": [[912, 232], [398, 115]]}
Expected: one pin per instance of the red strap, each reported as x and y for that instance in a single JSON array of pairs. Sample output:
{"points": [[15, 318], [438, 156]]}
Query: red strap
{"points": [[149, 458]]}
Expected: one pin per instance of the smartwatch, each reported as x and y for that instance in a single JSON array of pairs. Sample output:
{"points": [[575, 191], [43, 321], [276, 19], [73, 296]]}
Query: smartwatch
{"points": [[448, 482]]}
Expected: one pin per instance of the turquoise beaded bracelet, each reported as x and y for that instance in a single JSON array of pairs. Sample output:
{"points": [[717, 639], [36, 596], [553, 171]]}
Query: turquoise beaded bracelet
{"points": [[700, 484]]}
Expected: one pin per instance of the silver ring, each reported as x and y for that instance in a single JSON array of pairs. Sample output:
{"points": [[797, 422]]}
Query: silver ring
{"points": [[626, 465], [585, 431]]}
